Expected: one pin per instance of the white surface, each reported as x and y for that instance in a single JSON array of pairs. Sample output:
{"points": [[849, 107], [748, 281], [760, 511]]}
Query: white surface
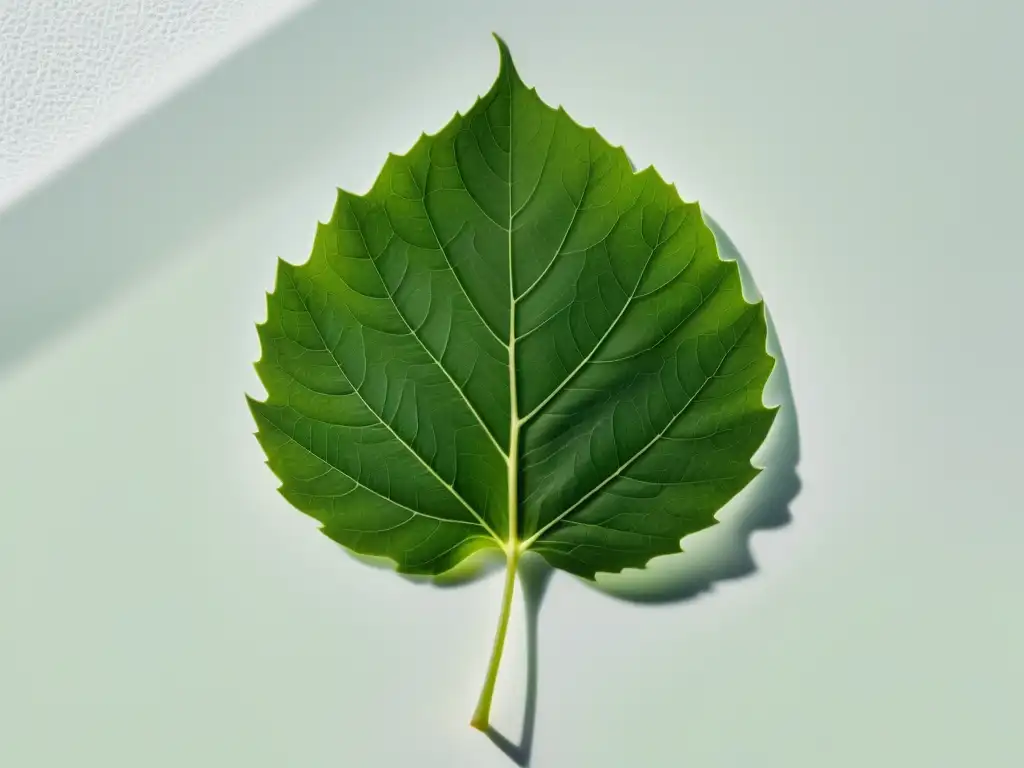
{"points": [[162, 606], [74, 71]]}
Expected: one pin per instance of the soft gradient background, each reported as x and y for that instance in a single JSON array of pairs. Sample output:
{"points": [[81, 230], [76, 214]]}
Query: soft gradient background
{"points": [[161, 605]]}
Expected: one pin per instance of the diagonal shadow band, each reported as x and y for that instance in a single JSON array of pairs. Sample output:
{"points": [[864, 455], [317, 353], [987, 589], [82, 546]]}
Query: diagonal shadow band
{"points": [[83, 236]]}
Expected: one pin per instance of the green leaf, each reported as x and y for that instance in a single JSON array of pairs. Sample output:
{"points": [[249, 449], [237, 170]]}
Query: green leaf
{"points": [[512, 341]]}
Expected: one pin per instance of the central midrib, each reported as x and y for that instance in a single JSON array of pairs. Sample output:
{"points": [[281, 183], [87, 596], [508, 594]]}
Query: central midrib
{"points": [[514, 424]]}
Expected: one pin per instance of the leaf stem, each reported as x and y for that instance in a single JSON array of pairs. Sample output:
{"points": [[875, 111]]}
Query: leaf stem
{"points": [[513, 547], [482, 714]]}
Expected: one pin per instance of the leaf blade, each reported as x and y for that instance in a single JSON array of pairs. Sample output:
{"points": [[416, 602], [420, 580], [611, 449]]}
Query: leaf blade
{"points": [[550, 335]]}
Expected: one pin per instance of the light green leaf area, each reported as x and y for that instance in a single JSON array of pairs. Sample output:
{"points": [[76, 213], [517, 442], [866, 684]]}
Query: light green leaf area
{"points": [[513, 341]]}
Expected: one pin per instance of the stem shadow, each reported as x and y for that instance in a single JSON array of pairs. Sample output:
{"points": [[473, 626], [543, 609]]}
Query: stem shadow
{"points": [[534, 576], [717, 554]]}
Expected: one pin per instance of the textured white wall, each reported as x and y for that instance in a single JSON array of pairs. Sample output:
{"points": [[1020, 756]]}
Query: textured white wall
{"points": [[73, 71]]}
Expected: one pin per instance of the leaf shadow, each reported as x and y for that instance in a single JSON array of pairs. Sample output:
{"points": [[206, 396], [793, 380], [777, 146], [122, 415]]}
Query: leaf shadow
{"points": [[720, 553]]}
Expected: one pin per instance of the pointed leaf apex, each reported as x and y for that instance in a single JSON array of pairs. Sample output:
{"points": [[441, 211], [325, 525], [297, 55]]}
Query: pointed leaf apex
{"points": [[507, 68]]}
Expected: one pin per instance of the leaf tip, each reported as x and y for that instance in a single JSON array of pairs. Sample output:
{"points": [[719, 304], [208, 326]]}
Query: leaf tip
{"points": [[506, 67]]}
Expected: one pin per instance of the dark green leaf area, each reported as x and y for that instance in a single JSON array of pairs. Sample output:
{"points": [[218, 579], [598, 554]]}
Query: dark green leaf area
{"points": [[513, 235]]}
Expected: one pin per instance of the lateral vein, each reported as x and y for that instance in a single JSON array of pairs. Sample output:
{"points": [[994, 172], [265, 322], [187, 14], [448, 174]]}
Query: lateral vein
{"points": [[380, 418]]}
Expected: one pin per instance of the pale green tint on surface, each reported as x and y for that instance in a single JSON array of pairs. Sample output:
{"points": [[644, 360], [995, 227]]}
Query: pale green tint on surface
{"points": [[162, 606]]}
